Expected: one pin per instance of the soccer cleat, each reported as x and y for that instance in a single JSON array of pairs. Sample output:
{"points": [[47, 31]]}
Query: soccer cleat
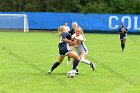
{"points": [[122, 50], [92, 66], [49, 72], [77, 72]]}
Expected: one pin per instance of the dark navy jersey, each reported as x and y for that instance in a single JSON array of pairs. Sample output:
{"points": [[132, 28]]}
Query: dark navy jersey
{"points": [[65, 35], [123, 35], [72, 32], [123, 30], [64, 46]]}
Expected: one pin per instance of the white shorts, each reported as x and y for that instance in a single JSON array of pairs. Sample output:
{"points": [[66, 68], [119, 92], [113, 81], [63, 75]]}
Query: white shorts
{"points": [[81, 50]]}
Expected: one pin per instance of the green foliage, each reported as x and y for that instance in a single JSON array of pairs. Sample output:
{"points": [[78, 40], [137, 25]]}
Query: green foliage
{"points": [[82, 6]]}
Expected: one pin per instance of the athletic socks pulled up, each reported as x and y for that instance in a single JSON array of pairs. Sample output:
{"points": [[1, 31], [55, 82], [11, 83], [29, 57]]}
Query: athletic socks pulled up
{"points": [[56, 64], [75, 64], [85, 61]]}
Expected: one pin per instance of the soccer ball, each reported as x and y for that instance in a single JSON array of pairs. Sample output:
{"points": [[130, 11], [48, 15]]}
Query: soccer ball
{"points": [[70, 74]]}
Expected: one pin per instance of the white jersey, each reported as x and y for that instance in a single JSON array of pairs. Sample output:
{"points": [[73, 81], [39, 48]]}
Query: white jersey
{"points": [[68, 28], [81, 47]]}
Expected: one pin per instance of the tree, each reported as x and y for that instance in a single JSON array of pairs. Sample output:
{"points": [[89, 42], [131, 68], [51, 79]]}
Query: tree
{"points": [[82, 6]]}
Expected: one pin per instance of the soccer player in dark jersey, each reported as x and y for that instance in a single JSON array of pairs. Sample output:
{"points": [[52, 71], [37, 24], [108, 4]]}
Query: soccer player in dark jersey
{"points": [[74, 25], [64, 50], [123, 34]]}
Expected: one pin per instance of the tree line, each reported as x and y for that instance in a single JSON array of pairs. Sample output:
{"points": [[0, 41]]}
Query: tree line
{"points": [[78, 6]]}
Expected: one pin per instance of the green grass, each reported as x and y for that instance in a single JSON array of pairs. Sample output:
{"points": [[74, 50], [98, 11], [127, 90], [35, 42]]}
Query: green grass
{"points": [[26, 57]]}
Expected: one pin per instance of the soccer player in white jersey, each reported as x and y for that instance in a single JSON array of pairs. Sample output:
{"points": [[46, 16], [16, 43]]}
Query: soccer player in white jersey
{"points": [[72, 31], [67, 27], [81, 48]]}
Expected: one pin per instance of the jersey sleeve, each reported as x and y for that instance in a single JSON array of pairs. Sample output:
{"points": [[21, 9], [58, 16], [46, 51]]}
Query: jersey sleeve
{"points": [[68, 28], [63, 35]]}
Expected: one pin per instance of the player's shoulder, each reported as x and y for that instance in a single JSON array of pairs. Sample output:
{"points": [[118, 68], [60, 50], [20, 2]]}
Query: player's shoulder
{"points": [[63, 34]]}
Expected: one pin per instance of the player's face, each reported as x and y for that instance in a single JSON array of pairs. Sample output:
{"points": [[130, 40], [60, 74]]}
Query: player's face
{"points": [[64, 29], [74, 25], [122, 24], [77, 32]]}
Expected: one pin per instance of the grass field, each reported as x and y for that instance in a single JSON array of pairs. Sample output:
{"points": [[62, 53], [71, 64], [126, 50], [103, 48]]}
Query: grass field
{"points": [[25, 59]]}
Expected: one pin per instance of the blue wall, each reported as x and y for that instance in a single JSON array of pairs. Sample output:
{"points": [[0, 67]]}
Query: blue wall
{"points": [[92, 22]]}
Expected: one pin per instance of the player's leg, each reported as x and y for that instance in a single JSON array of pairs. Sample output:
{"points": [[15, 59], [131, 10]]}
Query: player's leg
{"points": [[71, 48], [76, 57], [124, 40], [77, 71], [83, 60], [122, 45], [68, 61], [56, 64]]}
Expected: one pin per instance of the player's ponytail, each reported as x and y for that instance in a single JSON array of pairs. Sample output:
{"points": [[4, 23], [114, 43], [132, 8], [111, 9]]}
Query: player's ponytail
{"points": [[59, 30], [82, 33]]}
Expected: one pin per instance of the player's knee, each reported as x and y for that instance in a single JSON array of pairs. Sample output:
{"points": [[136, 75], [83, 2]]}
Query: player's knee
{"points": [[59, 62], [78, 58]]}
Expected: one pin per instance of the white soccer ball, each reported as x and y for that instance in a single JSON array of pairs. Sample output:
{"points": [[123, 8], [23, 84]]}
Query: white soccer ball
{"points": [[71, 74]]}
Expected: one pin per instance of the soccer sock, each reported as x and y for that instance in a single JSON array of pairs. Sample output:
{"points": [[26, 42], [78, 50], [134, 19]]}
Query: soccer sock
{"points": [[75, 64], [85, 61], [68, 58], [55, 65], [77, 68], [123, 45]]}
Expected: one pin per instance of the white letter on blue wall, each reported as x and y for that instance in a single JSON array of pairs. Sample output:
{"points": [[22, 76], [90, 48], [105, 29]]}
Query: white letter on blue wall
{"points": [[129, 21], [110, 22], [136, 23]]}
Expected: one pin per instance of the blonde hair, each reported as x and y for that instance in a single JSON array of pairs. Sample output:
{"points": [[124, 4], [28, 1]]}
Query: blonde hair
{"points": [[59, 30], [75, 23], [81, 31]]}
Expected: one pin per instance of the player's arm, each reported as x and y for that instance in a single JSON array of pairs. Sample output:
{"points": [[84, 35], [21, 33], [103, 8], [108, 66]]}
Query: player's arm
{"points": [[78, 39], [126, 30], [69, 41], [120, 32], [64, 39]]}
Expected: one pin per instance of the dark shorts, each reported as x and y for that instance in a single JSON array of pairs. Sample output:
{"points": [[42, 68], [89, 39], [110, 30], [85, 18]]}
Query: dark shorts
{"points": [[63, 49], [123, 36]]}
